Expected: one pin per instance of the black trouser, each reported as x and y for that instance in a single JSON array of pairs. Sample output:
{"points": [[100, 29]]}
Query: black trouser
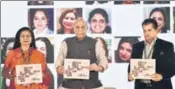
{"points": [[143, 86]]}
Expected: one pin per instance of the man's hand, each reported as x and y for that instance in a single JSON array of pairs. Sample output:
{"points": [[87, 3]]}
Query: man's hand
{"points": [[94, 67], [156, 77], [130, 77], [60, 69]]}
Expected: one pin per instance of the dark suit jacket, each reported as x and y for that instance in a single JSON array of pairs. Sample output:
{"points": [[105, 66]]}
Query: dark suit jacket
{"points": [[165, 63]]}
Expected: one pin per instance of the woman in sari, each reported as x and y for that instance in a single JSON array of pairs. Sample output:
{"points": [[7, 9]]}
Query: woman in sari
{"points": [[24, 52]]}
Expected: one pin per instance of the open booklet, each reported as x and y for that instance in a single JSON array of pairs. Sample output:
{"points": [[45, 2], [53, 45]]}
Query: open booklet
{"points": [[76, 68], [142, 68]]}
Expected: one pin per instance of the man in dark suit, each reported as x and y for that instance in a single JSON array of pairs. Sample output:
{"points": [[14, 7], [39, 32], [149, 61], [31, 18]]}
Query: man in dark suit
{"points": [[154, 48]]}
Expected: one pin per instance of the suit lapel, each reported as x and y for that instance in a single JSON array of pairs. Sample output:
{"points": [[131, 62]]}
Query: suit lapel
{"points": [[156, 49], [140, 50]]}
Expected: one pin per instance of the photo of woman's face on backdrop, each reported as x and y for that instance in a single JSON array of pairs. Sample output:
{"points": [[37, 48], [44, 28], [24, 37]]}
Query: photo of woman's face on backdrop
{"points": [[69, 20], [66, 18], [99, 20], [125, 51], [158, 16], [40, 20], [106, 44], [128, 2], [161, 15], [104, 2], [156, 2], [40, 2], [7, 45], [124, 48], [41, 46], [44, 45], [98, 23]]}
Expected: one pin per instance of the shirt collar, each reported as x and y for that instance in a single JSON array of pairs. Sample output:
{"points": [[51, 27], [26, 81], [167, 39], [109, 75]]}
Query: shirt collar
{"points": [[152, 43]]}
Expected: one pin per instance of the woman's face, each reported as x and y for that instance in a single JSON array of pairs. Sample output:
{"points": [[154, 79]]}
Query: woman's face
{"points": [[158, 16], [25, 38], [40, 20], [69, 20], [125, 51], [41, 46], [98, 23]]}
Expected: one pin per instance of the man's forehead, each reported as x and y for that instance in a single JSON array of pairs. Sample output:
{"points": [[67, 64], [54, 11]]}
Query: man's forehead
{"points": [[80, 23]]}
